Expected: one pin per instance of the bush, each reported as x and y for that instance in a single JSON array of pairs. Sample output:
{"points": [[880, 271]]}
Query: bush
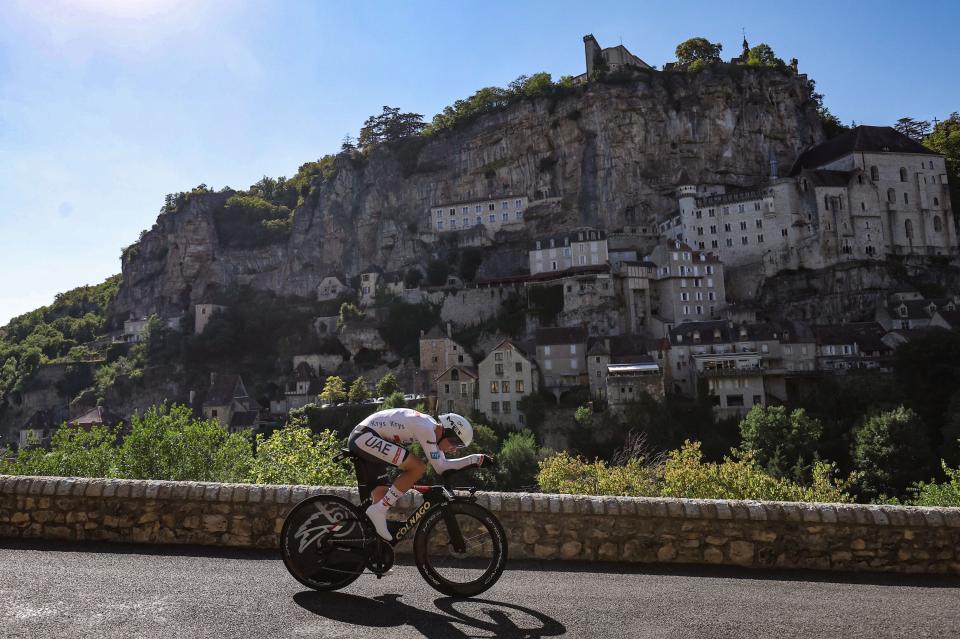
{"points": [[294, 455], [169, 443], [74, 452], [562, 473], [891, 452], [250, 221]]}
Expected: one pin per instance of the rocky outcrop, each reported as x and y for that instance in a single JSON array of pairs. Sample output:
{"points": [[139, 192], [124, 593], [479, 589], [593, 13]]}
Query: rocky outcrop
{"points": [[604, 155]]}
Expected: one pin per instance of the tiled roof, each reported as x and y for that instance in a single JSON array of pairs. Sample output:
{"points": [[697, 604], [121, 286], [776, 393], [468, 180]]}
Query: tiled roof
{"points": [[562, 335], [223, 390], [435, 333], [867, 335], [244, 419], [952, 317], [869, 139], [469, 372]]}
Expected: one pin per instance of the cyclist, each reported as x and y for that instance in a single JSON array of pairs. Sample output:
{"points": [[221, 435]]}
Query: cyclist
{"points": [[378, 441]]}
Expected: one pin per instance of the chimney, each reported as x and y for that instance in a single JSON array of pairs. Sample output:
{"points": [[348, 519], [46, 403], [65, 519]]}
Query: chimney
{"points": [[193, 397], [450, 330], [213, 378]]}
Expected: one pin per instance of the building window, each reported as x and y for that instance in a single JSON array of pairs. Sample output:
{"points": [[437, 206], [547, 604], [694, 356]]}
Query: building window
{"points": [[506, 407], [743, 226], [498, 356], [874, 173], [908, 228], [936, 201], [744, 240], [495, 407], [760, 239], [729, 241], [519, 367], [903, 174], [494, 387], [759, 224], [518, 203], [504, 386], [519, 385], [937, 225], [734, 400], [891, 196], [440, 225], [906, 198]]}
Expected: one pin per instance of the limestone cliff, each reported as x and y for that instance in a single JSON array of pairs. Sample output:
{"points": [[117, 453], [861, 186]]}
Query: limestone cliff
{"points": [[606, 155]]}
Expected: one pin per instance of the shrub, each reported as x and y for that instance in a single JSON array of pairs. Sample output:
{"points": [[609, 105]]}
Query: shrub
{"points": [[562, 473], [945, 495], [294, 455]]}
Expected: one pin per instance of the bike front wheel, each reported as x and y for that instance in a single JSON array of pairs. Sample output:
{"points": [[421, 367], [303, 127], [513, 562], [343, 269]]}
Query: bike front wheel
{"points": [[322, 542], [461, 549]]}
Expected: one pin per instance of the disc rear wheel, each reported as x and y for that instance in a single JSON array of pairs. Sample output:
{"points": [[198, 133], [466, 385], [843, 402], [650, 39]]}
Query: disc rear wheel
{"points": [[322, 542]]}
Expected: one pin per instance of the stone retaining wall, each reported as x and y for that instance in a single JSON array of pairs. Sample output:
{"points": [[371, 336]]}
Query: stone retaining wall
{"points": [[568, 527]]}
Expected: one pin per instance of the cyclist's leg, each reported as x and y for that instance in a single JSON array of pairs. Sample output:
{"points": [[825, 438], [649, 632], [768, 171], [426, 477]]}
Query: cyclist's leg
{"points": [[370, 446]]}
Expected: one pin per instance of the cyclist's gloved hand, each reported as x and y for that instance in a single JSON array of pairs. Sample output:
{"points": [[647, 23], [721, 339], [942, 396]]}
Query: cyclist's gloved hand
{"points": [[487, 461]]}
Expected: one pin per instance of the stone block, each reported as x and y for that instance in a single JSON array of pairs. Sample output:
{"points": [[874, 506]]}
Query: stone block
{"points": [[64, 487], [226, 493], [510, 503], [880, 517], [713, 555], [555, 504], [152, 490], [810, 513], [210, 492], [214, 523], [828, 514], [951, 517], [50, 487], [766, 536], [570, 549], [138, 489], [934, 517], [526, 503], [181, 491], [546, 551], [741, 552], [757, 511], [845, 514], [675, 508], [80, 488], [897, 516], [496, 502], [611, 506], [197, 490], [691, 509], [667, 552], [608, 551], [723, 510], [123, 489], [858, 544]]}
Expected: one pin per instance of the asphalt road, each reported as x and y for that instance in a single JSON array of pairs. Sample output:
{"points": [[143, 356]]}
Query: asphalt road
{"points": [[75, 591]]}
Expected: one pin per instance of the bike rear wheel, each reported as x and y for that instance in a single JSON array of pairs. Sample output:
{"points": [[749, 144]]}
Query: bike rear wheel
{"points": [[460, 549], [322, 542]]}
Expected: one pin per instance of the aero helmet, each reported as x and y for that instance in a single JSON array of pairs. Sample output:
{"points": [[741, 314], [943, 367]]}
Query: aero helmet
{"points": [[457, 426]]}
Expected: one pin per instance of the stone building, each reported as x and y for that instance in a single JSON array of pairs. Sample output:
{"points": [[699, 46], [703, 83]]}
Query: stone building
{"points": [[369, 281], [494, 214], [330, 288], [505, 377], [688, 286], [457, 390], [302, 388], [614, 58], [636, 288], [866, 194], [621, 350], [627, 383], [854, 346], [580, 247], [227, 400], [561, 356], [912, 313], [438, 351], [203, 313]]}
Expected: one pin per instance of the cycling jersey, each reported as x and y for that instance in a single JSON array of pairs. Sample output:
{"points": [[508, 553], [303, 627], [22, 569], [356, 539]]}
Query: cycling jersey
{"points": [[384, 434]]}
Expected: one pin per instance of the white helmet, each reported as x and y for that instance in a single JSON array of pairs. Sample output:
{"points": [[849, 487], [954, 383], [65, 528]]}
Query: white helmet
{"points": [[457, 426]]}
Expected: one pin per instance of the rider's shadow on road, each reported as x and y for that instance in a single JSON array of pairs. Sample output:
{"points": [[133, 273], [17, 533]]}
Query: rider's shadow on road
{"points": [[387, 611]]}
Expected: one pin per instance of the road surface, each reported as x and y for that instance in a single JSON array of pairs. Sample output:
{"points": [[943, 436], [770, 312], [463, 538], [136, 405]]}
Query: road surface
{"points": [[94, 590]]}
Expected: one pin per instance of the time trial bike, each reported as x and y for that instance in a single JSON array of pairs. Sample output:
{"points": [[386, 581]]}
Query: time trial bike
{"points": [[459, 547]]}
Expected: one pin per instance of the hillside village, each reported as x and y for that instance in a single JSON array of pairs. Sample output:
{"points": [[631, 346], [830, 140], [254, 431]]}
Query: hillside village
{"points": [[599, 315]]}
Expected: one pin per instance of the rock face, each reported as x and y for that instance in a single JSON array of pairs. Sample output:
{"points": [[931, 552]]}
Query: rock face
{"points": [[605, 156]]}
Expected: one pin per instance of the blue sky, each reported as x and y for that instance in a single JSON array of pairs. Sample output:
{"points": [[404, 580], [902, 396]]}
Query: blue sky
{"points": [[107, 105]]}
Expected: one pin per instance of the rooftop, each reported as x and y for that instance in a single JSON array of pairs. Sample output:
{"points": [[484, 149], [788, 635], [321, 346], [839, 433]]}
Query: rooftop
{"points": [[862, 139]]}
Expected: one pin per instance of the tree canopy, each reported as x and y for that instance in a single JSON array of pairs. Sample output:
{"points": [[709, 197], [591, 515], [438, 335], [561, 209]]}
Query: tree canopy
{"points": [[695, 53], [390, 126]]}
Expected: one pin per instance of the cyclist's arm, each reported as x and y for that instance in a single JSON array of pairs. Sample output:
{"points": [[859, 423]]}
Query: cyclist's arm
{"points": [[427, 438]]}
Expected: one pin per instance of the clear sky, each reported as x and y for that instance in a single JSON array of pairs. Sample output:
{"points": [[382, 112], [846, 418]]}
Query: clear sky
{"points": [[107, 105]]}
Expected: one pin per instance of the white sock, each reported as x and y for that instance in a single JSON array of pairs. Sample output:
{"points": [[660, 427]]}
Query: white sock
{"points": [[390, 498]]}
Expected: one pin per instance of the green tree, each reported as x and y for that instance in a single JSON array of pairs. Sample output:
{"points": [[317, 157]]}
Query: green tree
{"points": [[334, 390], [891, 452], [294, 455], [695, 53], [945, 139], [359, 390], [914, 129], [74, 452], [389, 126], [950, 434], [167, 442], [583, 416], [517, 462], [394, 400], [762, 56], [349, 313], [943, 495], [412, 278], [927, 374], [387, 385], [783, 443]]}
